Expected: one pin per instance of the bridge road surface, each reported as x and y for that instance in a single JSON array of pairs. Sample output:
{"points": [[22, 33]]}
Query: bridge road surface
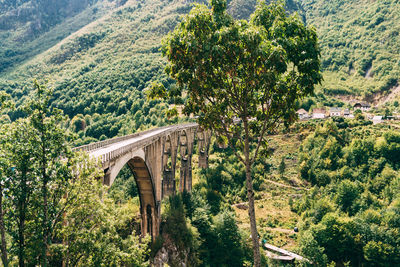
{"points": [[111, 147], [147, 135]]}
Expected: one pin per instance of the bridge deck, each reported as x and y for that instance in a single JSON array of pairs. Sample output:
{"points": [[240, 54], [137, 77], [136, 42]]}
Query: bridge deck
{"points": [[111, 147]]}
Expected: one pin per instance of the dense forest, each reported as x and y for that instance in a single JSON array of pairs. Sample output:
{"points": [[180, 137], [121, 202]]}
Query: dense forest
{"points": [[352, 213]]}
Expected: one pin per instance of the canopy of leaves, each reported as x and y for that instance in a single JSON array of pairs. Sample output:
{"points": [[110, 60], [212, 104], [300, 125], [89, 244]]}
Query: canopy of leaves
{"points": [[350, 215], [237, 69]]}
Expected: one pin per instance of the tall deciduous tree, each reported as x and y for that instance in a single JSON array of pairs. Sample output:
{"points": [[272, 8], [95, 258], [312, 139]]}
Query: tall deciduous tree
{"points": [[5, 103], [21, 184], [36, 172], [242, 79], [49, 140]]}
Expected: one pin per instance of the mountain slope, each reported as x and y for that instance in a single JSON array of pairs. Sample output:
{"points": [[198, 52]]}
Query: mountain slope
{"points": [[100, 56], [360, 44], [98, 73], [28, 28]]}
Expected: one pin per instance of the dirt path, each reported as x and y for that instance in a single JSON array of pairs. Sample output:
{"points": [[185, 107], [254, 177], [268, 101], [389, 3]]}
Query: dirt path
{"points": [[286, 185], [281, 230]]}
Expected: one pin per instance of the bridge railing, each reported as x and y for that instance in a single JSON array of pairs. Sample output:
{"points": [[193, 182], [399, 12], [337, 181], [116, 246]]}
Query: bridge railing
{"points": [[101, 144], [137, 145], [145, 142]]}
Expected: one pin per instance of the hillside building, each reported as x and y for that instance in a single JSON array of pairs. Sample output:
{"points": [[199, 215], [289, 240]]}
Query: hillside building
{"points": [[318, 113], [362, 106], [335, 112], [377, 119], [346, 113], [302, 113]]}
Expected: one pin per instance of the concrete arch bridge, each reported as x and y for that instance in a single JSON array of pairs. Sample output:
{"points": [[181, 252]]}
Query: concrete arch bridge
{"points": [[152, 156]]}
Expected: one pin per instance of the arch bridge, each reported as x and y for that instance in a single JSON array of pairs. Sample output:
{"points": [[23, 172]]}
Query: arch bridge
{"points": [[152, 156]]}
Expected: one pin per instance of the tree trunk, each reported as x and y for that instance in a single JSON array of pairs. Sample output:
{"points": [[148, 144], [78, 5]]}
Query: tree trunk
{"points": [[250, 197], [45, 208], [4, 258], [45, 222], [44, 225], [21, 218], [21, 241]]}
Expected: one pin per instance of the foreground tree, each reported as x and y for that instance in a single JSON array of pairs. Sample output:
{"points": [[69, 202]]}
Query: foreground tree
{"points": [[242, 79], [35, 176], [49, 154], [57, 209], [5, 103]]}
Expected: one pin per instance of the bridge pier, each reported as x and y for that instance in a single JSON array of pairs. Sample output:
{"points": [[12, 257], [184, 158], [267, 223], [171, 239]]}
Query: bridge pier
{"points": [[170, 150], [186, 174], [107, 177], [204, 139], [168, 183], [186, 151]]}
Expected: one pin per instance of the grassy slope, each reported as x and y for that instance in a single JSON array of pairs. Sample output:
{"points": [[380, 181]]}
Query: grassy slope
{"points": [[274, 216]]}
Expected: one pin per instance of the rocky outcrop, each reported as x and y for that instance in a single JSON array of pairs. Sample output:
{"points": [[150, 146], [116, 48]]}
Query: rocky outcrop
{"points": [[171, 255]]}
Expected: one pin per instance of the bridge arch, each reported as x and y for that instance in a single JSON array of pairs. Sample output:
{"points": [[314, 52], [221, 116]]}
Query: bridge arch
{"points": [[152, 155], [146, 189]]}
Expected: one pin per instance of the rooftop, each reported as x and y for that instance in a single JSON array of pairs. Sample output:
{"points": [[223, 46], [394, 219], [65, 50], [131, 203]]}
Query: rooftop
{"points": [[335, 109], [318, 110]]}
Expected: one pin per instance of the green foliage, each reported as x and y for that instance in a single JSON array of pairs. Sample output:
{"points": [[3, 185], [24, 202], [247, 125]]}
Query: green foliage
{"points": [[347, 216], [97, 232], [4, 101], [124, 187], [35, 147], [183, 235], [229, 249], [347, 193], [55, 207], [360, 54], [221, 243], [106, 91]]}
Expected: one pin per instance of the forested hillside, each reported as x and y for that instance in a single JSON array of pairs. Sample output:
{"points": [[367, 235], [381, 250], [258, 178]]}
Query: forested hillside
{"points": [[360, 44], [28, 28], [99, 72], [90, 49]]}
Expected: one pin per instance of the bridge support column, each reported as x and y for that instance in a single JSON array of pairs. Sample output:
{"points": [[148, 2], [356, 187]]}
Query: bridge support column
{"points": [[186, 174], [154, 157], [107, 177], [186, 151], [168, 183], [203, 160], [143, 227], [169, 164], [204, 139]]}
